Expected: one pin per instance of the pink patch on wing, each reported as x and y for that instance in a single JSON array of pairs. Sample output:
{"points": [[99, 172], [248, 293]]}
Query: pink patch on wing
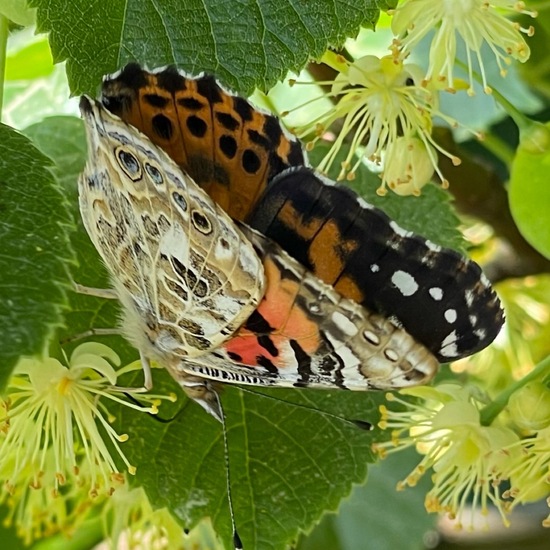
{"points": [[278, 307]]}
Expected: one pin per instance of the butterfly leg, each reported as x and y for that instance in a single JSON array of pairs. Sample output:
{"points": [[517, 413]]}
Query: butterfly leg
{"points": [[107, 293], [147, 378], [147, 375], [110, 294], [92, 332]]}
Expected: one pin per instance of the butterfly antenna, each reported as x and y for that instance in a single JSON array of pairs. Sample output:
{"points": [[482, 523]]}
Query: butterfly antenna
{"points": [[361, 424], [238, 545]]}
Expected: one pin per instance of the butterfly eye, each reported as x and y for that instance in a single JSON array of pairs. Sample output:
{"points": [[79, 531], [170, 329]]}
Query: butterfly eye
{"points": [[129, 164], [154, 173], [201, 222]]}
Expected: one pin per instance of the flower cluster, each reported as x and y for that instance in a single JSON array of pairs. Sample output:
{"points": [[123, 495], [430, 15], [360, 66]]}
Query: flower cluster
{"points": [[384, 108], [385, 112], [476, 22], [56, 438], [469, 455]]}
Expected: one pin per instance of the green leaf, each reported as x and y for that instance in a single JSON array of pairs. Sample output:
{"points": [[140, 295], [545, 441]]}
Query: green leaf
{"points": [[289, 460], [386, 4], [377, 512], [529, 191], [34, 229], [246, 44]]}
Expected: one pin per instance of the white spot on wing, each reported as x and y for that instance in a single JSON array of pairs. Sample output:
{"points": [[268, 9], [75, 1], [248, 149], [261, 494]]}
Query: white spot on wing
{"points": [[400, 231], [436, 293], [448, 346], [391, 355], [364, 204], [344, 324], [433, 247], [480, 333], [375, 268], [371, 337], [404, 282], [450, 315]]}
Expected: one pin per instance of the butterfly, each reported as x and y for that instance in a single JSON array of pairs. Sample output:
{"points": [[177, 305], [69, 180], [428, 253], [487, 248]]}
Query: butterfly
{"points": [[246, 161], [236, 262], [212, 299]]}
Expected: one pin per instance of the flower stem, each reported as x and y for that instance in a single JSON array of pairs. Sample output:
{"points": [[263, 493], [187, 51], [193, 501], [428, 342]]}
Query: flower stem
{"points": [[499, 148], [517, 116], [493, 409], [4, 31]]}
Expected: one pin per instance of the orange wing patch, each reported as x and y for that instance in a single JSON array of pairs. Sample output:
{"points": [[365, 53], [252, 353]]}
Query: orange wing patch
{"points": [[228, 147], [254, 344], [328, 249]]}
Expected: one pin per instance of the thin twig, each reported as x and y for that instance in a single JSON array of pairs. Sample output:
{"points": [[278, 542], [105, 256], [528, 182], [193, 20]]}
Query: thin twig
{"points": [[4, 31]]}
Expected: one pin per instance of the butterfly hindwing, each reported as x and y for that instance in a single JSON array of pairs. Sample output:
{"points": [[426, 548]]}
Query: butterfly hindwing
{"points": [[305, 334]]}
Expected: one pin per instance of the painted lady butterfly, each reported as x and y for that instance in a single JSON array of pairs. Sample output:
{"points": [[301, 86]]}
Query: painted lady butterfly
{"points": [[317, 289]]}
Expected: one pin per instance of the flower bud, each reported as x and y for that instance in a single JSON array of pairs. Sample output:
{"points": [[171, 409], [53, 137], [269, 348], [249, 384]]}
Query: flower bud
{"points": [[530, 406]]}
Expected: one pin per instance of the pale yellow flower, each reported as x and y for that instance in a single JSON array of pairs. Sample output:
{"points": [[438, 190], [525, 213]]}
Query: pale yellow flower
{"points": [[56, 438], [529, 407], [468, 460], [383, 112], [36, 510], [131, 522], [408, 165], [476, 22], [530, 479]]}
